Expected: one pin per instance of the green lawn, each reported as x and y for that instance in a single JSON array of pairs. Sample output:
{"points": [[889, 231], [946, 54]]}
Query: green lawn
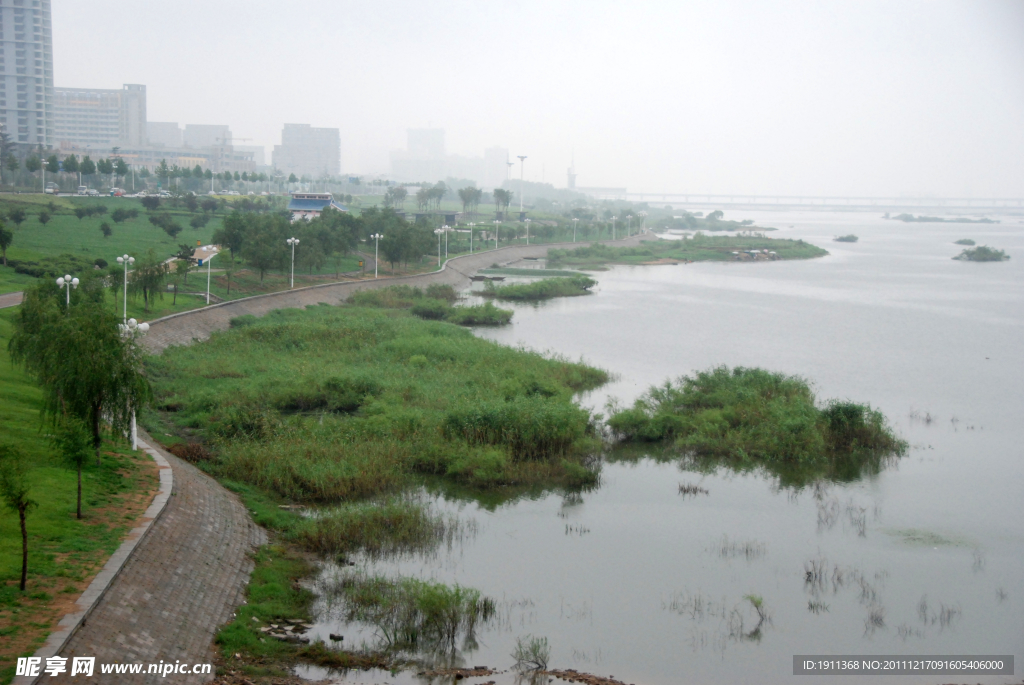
{"points": [[63, 552]]}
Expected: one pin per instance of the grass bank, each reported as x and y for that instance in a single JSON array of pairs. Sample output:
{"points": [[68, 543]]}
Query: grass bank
{"points": [[64, 552], [698, 248], [544, 289], [436, 303], [747, 418]]}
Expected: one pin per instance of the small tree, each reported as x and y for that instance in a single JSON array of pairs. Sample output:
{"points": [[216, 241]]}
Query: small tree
{"points": [[105, 229], [71, 442], [14, 490], [6, 238], [148, 278], [192, 203], [17, 216], [52, 165], [71, 164], [87, 167], [120, 168], [172, 229], [12, 163], [151, 202], [44, 217]]}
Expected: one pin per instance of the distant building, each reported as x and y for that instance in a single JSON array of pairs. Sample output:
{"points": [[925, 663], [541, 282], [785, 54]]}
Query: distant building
{"points": [[100, 118], [308, 151], [311, 205], [424, 159], [258, 153], [26, 72], [206, 135], [166, 133]]}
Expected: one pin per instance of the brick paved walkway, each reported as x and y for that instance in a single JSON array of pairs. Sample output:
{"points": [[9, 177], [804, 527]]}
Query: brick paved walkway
{"points": [[181, 584]]}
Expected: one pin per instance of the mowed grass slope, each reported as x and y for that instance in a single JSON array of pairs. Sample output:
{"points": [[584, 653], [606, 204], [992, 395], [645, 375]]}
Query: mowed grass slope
{"points": [[64, 553], [331, 403]]}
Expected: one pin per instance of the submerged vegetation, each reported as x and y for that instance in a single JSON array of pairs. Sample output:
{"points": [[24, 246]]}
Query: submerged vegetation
{"points": [[910, 218], [747, 417], [544, 289], [700, 247], [964, 241], [982, 253], [849, 238]]}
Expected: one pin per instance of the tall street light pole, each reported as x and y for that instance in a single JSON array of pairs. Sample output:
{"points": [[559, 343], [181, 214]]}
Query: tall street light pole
{"points": [[629, 225], [447, 229], [522, 159], [497, 224], [68, 283], [209, 261], [129, 329], [438, 232], [613, 228], [574, 222], [471, 225], [293, 242], [527, 231], [376, 245], [126, 260]]}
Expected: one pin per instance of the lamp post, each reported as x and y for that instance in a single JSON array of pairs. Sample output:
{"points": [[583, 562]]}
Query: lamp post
{"points": [[471, 225], [126, 260], [497, 224], [129, 329], [209, 261], [376, 245], [293, 242], [629, 225], [527, 231], [643, 221], [438, 232], [574, 222], [67, 282], [447, 229], [522, 159]]}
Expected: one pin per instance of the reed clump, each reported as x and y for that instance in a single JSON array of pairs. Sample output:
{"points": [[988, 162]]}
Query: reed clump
{"points": [[334, 403], [543, 289], [436, 303], [982, 253], [751, 416]]}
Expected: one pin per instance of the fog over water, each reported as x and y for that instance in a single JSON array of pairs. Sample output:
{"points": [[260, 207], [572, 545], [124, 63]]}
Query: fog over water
{"points": [[851, 98]]}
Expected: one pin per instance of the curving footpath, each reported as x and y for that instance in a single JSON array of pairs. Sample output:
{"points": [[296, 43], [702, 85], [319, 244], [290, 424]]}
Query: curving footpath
{"points": [[167, 590]]}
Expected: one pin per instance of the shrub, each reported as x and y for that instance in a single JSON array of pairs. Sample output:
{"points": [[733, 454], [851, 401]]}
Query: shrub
{"points": [[150, 202], [105, 229], [541, 290], [964, 241], [427, 308], [478, 315], [850, 238], [982, 253]]}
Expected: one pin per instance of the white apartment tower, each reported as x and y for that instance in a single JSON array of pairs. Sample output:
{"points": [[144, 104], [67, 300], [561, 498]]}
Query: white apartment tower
{"points": [[308, 151], [26, 72]]}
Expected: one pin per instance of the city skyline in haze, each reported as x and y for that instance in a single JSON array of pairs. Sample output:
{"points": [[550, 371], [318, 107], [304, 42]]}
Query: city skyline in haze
{"points": [[835, 98]]}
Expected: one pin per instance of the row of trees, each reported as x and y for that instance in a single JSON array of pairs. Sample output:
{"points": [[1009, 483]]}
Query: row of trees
{"points": [[91, 378]]}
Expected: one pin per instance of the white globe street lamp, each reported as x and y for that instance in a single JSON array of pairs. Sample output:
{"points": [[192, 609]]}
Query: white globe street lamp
{"points": [[68, 283], [497, 224], [438, 232], [447, 229], [376, 244], [574, 222], [293, 242], [126, 260], [130, 329], [527, 231]]}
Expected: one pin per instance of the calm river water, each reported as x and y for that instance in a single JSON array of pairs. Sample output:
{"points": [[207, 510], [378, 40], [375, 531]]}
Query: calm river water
{"points": [[639, 582]]}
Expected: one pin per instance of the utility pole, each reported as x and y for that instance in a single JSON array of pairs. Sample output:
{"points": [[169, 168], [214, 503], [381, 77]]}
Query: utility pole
{"points": [[522, 159]]}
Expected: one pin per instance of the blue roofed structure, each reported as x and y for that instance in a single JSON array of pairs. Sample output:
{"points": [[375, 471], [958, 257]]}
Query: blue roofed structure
{"points": [[309, 205]]}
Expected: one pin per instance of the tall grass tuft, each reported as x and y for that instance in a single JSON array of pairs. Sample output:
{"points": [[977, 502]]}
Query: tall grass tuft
{"points": [[543, 289]]}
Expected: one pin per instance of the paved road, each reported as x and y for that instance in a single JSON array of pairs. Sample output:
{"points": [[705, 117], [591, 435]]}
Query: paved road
{"points": [[11, 299], [181, 584]]}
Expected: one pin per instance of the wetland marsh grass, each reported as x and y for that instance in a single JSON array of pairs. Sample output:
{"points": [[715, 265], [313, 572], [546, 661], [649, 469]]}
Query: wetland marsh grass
{"points": [[982, 253], [746, 417], [336, 403], [436, 303], [700, 247], [544, 289]]}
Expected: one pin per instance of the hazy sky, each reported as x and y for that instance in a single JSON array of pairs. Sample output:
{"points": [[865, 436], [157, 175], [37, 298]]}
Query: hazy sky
{"points": [[851, 98]]}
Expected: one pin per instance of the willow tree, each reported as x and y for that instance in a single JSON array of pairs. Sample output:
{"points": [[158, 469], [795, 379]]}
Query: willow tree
{"points": [[14, 489], [84, 364]]}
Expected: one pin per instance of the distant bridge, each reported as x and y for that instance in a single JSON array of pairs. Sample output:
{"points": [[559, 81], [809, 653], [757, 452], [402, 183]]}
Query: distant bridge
{"points": [[827, 202]]}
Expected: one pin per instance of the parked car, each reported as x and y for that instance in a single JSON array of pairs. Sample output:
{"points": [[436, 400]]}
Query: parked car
{"points": [[93, 192], [83, 190], [51, 189], [116, 192]]}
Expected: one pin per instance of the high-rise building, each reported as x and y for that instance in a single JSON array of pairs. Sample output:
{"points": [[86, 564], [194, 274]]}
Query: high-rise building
{"points": [[308, 151], [100, 118], [26, 72]]}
